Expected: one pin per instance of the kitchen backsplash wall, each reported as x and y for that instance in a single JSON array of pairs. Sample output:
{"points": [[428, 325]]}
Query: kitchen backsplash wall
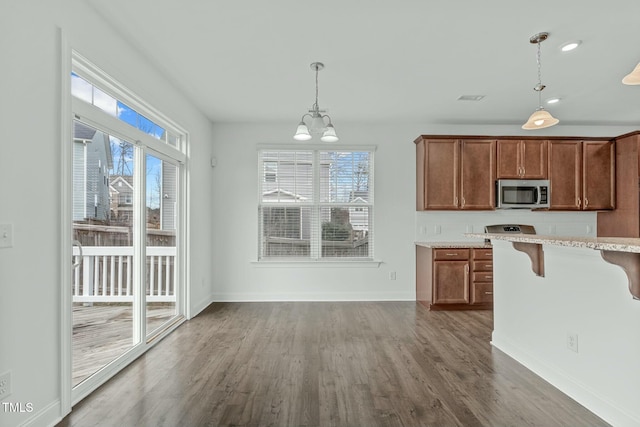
{"points": [[445, 226]]}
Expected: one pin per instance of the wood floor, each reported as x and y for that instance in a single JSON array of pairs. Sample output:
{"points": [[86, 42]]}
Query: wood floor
{"points": [[328, 364]]}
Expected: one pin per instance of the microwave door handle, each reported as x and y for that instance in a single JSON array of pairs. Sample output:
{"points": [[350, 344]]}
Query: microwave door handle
{"points": [[538, 195]]}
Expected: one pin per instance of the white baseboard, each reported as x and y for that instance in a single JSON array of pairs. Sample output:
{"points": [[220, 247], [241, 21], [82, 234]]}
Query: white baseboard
{"points": [[311, 297], [48, 416], [587, 397]]}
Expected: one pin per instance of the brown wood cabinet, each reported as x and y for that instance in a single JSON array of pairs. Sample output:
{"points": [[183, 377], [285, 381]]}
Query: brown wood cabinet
{"points": [[454, 278], [455, 174], [624, 221], [481, 291], [522, 159], [582, 174]]}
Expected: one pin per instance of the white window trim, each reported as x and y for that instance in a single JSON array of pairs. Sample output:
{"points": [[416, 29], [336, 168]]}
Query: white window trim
{"points": [[317, 261]]}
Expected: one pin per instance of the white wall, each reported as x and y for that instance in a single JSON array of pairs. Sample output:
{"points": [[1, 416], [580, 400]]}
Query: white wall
{"points": [[30, 183], [397, 224], [235, 218], [580, 294]]}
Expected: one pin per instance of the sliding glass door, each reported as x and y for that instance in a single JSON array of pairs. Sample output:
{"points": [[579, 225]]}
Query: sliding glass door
{"points": [[125, 170], [103, 282], [161, 207]]}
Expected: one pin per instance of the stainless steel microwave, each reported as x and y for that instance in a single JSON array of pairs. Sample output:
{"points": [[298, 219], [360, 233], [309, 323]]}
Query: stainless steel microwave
{"points": [[522, 193]]}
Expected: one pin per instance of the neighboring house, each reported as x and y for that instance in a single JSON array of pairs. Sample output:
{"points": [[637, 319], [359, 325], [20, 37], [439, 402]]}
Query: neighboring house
{"points": [[91, 164], [159, 216], [121, 191], [359, 216]]}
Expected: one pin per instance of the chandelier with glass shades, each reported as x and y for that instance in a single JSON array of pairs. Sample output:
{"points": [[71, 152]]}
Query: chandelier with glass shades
{"points": [[316, 116], [540, 118]]}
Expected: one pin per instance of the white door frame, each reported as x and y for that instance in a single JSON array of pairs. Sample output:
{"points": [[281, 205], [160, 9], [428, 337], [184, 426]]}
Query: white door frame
{"points": [[69, 396]]}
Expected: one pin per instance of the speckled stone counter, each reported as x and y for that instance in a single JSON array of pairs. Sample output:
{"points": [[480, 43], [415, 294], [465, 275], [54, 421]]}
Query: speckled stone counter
{"points": [[618, 244], [454, 245]]}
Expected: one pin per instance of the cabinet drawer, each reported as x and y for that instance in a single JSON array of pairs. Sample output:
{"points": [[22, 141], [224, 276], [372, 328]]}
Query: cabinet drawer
{"points": [[450, 254], [482, 276], [482, 265], [482, 254], [481, 293]]}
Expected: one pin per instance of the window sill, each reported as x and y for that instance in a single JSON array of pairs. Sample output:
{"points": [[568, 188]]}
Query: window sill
{"points": [[369, 263]]}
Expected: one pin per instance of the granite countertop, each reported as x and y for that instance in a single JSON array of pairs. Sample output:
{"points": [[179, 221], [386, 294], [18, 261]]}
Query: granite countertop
{"points": [[619, 244], [454, 245]]}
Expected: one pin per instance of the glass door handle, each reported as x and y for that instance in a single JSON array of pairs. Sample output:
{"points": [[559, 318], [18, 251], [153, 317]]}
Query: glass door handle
{"points": [[79, 245]]}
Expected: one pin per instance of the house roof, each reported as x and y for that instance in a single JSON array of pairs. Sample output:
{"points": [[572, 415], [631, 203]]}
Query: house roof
{"points": [[82, 131]]}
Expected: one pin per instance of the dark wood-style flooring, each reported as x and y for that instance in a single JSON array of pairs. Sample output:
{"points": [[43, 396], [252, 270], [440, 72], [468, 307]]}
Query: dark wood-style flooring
{"points": [[329, 364]]}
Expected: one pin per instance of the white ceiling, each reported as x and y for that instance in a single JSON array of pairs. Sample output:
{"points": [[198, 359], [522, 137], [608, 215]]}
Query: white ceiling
{"points": [[405, 61]]}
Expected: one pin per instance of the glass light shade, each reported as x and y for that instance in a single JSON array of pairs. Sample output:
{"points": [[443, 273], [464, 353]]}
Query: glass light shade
{"points": [[633, 78], [329, 134], [302, 133], [540, 119], [317, 124]]}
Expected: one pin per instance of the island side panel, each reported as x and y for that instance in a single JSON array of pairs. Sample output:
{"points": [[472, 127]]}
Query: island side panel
{"points": [[580, 295]]}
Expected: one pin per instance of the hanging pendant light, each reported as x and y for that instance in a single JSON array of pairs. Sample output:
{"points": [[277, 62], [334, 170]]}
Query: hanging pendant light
{"points": [[540, 118], [317, 124], [633, 78]]}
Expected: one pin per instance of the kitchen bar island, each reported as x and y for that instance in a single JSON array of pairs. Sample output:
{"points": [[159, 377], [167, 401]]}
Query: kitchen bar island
{"points": [[563, 310]]}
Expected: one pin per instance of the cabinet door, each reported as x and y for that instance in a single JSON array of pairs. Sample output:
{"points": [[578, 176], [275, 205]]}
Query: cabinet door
{"points": [[441, 174], [533, 159], [565, 162], [598, 175], [450, 282], [478, 174], [508, 159]]}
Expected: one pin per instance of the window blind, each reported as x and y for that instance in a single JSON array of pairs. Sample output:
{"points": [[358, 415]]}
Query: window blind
{"points": [[315, 204]]}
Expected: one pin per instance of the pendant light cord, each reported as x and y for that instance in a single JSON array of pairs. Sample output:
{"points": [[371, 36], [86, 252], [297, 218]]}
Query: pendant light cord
{"points": [[315, 106], [539, 87]]}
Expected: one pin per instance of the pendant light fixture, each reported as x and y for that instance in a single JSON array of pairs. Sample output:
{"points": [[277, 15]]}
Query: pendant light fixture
{"points": [[633, 78], [317, 123], [540, 118]]}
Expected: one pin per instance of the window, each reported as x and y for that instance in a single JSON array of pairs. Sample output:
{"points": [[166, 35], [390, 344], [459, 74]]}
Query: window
{"points": [[270, 171], [316, 204]]}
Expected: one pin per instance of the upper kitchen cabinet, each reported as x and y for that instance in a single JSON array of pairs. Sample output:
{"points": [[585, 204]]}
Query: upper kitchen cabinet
{"points": [[582, 174], [522, 159], [455, 174], [624, 221]]}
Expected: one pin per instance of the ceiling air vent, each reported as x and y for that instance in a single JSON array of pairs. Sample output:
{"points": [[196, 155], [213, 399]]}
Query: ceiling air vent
{"points": [[470, 97]]}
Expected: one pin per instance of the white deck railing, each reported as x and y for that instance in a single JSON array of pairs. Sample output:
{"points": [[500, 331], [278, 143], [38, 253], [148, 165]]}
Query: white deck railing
{"points": [[105, 274]]}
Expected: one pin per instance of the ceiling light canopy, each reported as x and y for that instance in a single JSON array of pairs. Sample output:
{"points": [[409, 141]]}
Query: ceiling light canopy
{"points": [[317, 124], [540, 118], [633, 78]]}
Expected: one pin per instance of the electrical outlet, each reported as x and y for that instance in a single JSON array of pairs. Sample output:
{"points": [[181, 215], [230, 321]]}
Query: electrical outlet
{"points": [[437, 229], [572, 341], [5, 385], [392, 275]]}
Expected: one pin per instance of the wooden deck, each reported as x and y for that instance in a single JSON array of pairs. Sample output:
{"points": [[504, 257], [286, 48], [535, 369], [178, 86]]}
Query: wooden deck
{"points": [[103, 332]]}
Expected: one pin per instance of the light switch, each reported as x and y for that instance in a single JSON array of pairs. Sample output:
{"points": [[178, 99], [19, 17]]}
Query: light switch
{"points": [[6, 235]]}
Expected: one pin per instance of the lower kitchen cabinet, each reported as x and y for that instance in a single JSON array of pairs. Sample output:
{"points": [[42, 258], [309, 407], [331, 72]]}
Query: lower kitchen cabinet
{"points": [[454, 278]]}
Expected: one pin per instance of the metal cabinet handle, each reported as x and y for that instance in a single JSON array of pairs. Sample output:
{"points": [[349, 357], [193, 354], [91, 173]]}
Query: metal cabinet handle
{"points": [[488, 293], [586, 202]]}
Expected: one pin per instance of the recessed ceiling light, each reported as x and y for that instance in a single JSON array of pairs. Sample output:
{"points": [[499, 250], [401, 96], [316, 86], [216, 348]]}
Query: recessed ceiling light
{"points": [[470, 97], [569, 46], [553, 100]]}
